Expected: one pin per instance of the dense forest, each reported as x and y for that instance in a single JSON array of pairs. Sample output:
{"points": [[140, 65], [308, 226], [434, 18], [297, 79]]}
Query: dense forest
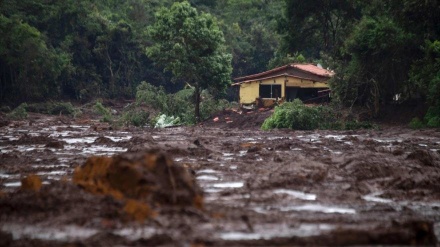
{"points": [[383, 51]]}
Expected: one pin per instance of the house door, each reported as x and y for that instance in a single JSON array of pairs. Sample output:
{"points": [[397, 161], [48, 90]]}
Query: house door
{"points": [[291, 93]]}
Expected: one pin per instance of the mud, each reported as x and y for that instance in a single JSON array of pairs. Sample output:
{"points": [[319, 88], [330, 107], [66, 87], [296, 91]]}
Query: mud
{"points": [[274, 188]]}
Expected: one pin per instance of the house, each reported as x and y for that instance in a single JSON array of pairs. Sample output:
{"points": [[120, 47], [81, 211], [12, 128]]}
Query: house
{"points": [[307, 82]]}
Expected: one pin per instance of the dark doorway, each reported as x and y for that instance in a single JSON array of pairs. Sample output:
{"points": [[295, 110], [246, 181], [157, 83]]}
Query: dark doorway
{"points": [[291, 93]]}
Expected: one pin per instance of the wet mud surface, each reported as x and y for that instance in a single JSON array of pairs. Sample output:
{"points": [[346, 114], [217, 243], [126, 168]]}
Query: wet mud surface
{"points": [[260, 188]]}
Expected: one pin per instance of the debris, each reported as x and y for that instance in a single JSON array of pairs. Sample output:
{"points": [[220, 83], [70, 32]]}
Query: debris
{"points": [[148, 176], [137, 210], [31, 183], [216, 119]]}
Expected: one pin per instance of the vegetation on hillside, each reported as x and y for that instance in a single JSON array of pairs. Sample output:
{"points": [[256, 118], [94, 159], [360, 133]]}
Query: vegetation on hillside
{"points": [[383, 51]]}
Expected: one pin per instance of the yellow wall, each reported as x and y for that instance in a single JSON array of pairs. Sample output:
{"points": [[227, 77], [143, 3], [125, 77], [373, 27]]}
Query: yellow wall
{"points": [[249, 91]]}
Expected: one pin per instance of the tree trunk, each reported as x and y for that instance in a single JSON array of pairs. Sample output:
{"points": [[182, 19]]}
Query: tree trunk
{"points": [[197, 102]]}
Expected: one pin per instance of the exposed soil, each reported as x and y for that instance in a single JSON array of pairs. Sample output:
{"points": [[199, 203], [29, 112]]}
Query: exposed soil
{"points": [[222, 183]]}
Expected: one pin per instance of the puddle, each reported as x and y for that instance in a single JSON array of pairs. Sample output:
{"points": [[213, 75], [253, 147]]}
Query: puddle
{"points": [[336, 137], [296, 194], [296, 149], [374, 198], [207, 171], [61, 233], [276, 231], [233, 167], [18, 184], [50, 166], [52, 173], [12, 184], [136, 233], [80, 140], [319, 208], [4, 175], [229, 185], [310, 138], [119, 138], [104, 150], [211, 190], [207, 178], [228, 154]]}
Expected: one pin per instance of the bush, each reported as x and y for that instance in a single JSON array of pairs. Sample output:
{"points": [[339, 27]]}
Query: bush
{"points": [[432, 117], [54, 108], [179, 105], [293, 115], [19, 113], [296, 115], [416, 123], [104, 112], [136, 117]]}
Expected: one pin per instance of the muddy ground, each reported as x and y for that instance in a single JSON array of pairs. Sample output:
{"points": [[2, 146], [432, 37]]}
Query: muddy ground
{"points": [[260, 188]]}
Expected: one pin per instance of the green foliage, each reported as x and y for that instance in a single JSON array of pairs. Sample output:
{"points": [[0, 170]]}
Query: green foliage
{"points": [[137, 117], [179, 104], [378, 54], [432, 117], [19, 112], [293, 115], [191, 46], [280, 59], [416, 123], [54, 108], [30, 67], [298, 116], [163, 121], [315, 26], [104, 112], [151, 96], [425, 74]]}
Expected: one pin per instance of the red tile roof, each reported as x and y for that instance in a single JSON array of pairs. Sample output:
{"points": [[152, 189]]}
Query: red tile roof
{"points": [[309, 68]]}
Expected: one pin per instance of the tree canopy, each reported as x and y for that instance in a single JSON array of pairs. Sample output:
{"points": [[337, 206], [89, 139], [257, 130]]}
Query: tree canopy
{"points": [[192, 47]]}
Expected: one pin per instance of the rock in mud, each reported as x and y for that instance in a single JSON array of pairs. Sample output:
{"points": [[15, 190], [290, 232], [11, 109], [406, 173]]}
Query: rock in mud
{"points": [[147, 176]]}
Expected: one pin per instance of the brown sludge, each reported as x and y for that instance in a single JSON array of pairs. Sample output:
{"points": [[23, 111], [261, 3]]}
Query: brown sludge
{"points": [[147, 176]]}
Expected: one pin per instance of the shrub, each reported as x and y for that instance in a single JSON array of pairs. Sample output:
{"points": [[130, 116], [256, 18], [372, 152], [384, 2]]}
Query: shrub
{"points": [[296, 115], [19, 113], [179, 105], [136, 117], [293, 115], [432, 117], [416, 123], [151, 95], [104, 112]]}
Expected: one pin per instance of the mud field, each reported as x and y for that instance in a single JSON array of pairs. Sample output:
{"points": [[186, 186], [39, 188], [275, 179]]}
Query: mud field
{"points": [[246, 188]]}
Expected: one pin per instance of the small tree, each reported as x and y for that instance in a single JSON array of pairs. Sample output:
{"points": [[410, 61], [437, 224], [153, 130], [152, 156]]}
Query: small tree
{"points": [[191, 46]]}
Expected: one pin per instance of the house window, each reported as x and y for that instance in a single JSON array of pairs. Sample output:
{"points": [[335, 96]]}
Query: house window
{"points": [[270, 91]]}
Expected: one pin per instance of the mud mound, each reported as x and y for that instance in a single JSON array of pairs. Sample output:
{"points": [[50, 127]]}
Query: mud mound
{"points": [[27, 139], [148, 176], [56, 144], [103, 140], [366, 167], [232, 118], [426, 158]]}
